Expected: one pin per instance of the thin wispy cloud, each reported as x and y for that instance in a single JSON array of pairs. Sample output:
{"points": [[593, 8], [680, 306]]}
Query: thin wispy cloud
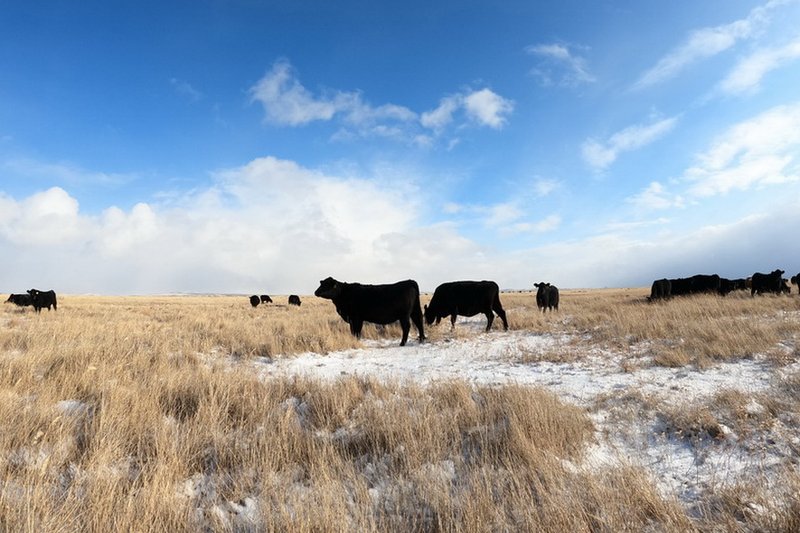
{"points": [[185, 89], [655, 197], [287, 102], [64, 173], [600, 154], [704, 43], [746, 76], [558, 65]]}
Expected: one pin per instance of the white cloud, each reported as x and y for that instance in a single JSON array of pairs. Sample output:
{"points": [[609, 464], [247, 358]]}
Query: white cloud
{"points": [[707, 42], [748, 72], [287, 102], [757, 152], [558, 61], [488, 108], [601, 154], [442, 116], [655, 197]]}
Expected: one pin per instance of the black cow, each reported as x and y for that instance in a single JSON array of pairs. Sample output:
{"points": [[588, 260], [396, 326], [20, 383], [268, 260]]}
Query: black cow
{"points": [[727, 286], [695, 284], [772, 282], [796, 281], [294, 299], [379, 304], [265, 299], [660, 290], [465, 298], [546, 296], [40, 299], [680, 286], [21, 300], [705, 283], [255, 300]]}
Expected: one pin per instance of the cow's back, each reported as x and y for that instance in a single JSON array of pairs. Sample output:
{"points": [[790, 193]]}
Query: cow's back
{"points": [[468, 298], [380, 304]]}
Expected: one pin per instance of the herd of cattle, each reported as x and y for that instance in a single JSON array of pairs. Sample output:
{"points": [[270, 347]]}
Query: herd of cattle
{"points": [[357, 303], [758, 283]]}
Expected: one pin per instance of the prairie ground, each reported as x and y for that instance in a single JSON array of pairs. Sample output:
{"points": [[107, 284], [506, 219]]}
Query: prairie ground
{"points": [[188, 413]]}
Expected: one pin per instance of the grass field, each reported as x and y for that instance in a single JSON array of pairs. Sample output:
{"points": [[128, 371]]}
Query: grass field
{"points": [[125, 413]]}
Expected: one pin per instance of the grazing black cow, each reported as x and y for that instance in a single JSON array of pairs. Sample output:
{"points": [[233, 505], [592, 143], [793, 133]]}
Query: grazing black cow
{"points": [[255, 300], [21, 300], [546, 296], [465, 298], [661, 290], [727, 286], [265, 299], [40, 299], [796, 281], [772, 282], [379, 304], [294, 299]]}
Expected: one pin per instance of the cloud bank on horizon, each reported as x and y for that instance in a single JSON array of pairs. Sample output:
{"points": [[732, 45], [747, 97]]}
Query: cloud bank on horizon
{"points": [[510, 157]]}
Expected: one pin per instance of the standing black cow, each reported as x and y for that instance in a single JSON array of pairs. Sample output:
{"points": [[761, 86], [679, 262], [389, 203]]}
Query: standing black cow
{"points": [[546, 296], [772, 282], [796, 281], [265, 299], [465, 298], [21, 300], [40, 299], [255, 300], [705, 283], [660, 290], [680, 286], [379, 304], [294, 299]]}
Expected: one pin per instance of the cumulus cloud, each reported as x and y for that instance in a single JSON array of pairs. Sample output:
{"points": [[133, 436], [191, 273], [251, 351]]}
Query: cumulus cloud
{"points": [[756, 152], [287, 102], [559, 65], [601, 154], [746, 76], [707, 42]]}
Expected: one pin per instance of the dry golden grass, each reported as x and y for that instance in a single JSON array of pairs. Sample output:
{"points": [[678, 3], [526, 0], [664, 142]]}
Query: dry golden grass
{"points": [[125, 414]]}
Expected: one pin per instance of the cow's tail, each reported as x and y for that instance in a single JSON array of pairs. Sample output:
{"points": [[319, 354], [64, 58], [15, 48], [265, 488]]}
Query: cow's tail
{"points": [[416, 313], [55, 303]]}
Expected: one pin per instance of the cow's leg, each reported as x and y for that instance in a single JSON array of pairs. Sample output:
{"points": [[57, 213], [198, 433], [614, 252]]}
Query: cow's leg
{"points": [[489, 320], [502, 314], [405, 323], [453, 321], [355, 327]]}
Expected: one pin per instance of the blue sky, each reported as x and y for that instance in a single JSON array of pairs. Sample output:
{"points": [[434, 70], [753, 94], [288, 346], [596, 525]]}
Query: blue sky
{"points": [[244, 146]]}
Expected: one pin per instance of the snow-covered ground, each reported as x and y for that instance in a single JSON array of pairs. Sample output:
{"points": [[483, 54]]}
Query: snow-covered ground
{"points": [[626, 400]]}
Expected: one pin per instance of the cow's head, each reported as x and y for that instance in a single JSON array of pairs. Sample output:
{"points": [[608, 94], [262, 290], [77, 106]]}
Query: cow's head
{"points": [[328, 288], [542, 286], [429, 315]]}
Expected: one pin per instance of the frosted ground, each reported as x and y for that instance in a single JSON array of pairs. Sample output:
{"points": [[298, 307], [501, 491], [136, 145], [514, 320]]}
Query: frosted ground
{"points": [[625, 401]]}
